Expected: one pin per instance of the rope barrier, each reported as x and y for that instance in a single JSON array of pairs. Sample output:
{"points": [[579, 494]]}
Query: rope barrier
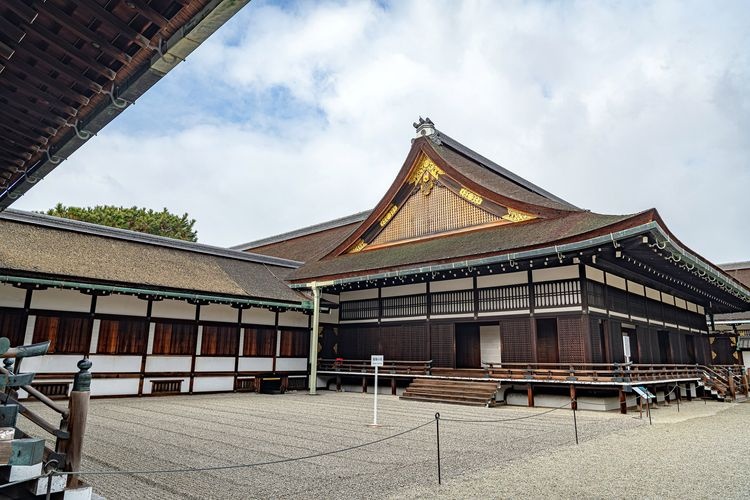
{"points": [[470, 421]]}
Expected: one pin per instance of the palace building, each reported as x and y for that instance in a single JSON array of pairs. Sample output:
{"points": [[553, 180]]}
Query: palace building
{"points": [[463, 273]]}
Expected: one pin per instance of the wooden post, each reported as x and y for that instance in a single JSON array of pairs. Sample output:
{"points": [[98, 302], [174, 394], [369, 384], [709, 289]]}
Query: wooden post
{"points": [[338, 383], [78, 407], [393, 386], [732, 389], [623, 403], [364, 384], [573, 400], [666, 395], [745, 384], [689, 391], [530, 394]]}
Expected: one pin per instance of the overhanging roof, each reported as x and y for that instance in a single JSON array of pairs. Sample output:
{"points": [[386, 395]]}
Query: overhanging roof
{"points": [[68, 68]]}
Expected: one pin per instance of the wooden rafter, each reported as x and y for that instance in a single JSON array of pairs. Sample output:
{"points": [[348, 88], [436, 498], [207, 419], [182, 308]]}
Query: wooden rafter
{"points": [[56, 65], [96, 10]]}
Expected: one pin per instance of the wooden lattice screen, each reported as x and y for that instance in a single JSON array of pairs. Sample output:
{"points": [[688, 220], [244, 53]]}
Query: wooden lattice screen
{"points": [[443, 347], [516, 340], [438, 212]]}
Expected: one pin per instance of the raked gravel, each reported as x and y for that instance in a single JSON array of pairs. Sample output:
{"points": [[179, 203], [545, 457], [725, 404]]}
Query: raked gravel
{"points": [[700, 452]]}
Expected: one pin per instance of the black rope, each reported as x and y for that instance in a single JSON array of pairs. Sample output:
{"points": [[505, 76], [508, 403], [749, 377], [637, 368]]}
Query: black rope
{"points": [[445, 419], [242, 466]]}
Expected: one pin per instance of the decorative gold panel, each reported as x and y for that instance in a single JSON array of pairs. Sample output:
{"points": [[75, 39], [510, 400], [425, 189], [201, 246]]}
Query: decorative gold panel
{"points": [[516, 216], [425, 175], [440, 212], [358, 247]]}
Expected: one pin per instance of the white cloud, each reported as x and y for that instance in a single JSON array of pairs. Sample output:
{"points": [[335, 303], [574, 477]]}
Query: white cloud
{"points": [[615, 107]]}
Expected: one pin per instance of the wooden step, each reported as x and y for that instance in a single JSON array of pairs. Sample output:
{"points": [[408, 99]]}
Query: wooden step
{"points": [[451, 391], [444, 401], [464, 392]]}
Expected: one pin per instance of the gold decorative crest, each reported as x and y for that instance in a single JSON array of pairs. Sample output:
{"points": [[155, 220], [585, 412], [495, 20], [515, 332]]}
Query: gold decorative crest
{"points": [[358, 247], [425, 175], [516, 216], [470, 196], [388, 215]]}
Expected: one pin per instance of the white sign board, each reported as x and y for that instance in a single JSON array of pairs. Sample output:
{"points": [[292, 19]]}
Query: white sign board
{"points": [[376, 360], [626, 345]]}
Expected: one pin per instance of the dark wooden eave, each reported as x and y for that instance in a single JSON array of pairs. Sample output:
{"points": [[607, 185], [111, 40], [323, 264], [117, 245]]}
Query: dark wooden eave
{"points": [[67, 68]]}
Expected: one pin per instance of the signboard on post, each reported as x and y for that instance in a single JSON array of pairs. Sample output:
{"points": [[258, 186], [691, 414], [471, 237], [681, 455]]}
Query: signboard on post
{"points": [[376, 360]]}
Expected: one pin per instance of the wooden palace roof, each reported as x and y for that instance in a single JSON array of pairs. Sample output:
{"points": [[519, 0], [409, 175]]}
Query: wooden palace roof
{"points": [[67, 68], [89, 254], [450, 208]]}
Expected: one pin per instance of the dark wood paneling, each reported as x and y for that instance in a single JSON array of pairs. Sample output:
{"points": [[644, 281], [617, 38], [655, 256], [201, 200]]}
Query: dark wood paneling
{"points": [[571, 339], [176, 338], [259, 342], [615, 337], [221, 340], [294, 343], [515, 334], [443, 350], [69, 334], [546, 341], [468, 354], [13, 325], [122, 336]]}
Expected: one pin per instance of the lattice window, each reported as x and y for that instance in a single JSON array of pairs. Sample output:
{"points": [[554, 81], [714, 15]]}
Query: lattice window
{"points": [[359, 309], [438, 212], [404, 306], [443, 349], [557, 293], [596, 294], [453, 302], [504, 298]]}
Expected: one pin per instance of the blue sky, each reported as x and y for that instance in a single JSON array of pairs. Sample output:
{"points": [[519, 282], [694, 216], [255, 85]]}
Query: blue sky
{"points": [[299, 112]]}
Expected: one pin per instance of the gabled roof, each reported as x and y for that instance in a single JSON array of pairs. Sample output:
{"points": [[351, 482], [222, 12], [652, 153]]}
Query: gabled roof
{"points": [[34, 245], [307, 242]]}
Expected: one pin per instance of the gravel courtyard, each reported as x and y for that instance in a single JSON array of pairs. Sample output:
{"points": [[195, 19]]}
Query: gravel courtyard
{"points": [[700, 452]]}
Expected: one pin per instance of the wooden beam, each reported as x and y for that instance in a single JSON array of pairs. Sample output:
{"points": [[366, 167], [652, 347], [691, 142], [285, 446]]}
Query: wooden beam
{"points": [[11, 31], [50, 60], [26, 119], [39, 32], [9, 159], [530, 395], [148, 12], [623, 402], [23, 11], [6, 51], [27, 107], [107, 17], [23, 136], [26, 88], [23, 155], [39, 76], [52, 13]]}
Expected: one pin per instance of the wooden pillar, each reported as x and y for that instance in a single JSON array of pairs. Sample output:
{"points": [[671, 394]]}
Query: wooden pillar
{"points": [[338, 383], [284, 384], [732, 388], [623, 403], [78, 408], [746, 384], [573, 400], [530, 394], [666, 396], [364, 384], [689, 391], [393, 386]]}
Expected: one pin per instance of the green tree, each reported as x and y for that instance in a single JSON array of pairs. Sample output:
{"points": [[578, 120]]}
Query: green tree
{"points": [[143, 220]]}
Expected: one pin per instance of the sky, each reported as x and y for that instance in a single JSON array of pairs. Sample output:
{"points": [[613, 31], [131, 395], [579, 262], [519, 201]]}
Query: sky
{"points": [[295, 113]]}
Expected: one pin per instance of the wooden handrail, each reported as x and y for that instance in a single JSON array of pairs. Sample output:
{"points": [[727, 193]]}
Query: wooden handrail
{"points": [[38, 395]]}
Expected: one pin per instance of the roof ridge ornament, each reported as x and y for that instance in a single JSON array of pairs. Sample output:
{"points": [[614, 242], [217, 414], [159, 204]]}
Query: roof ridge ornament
{"points": [[424, 127]]}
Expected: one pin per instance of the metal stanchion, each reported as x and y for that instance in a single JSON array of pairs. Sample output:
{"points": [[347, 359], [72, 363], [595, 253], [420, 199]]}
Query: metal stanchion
{"points": [[437, 435], [575, 422]]}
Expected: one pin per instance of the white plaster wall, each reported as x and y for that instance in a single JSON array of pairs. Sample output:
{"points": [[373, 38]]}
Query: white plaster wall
{"points": [[332, 316], [174, 309], [209, 384], [126, 305], [293, 318], [395, 291], [28, 336], [114, 386], [255, 364], [105, 363], [555, 273], [594, 274], [692, 307], [214, 364], [517, 278], [61, 300], [489, 343], [218, 312], [746, 359], [258, 316], [53, 363], [667, 299], [168, 363], [291, 364], [450, 285], [680, 303], [635, 288], [184, 388], [11, 296], [701, 310], [615, 281], [370, 293], [653, 294], [97, 323]]}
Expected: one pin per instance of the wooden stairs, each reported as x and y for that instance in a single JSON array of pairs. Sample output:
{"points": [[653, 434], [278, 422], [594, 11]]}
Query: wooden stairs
{"points": [[471, 393]]}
